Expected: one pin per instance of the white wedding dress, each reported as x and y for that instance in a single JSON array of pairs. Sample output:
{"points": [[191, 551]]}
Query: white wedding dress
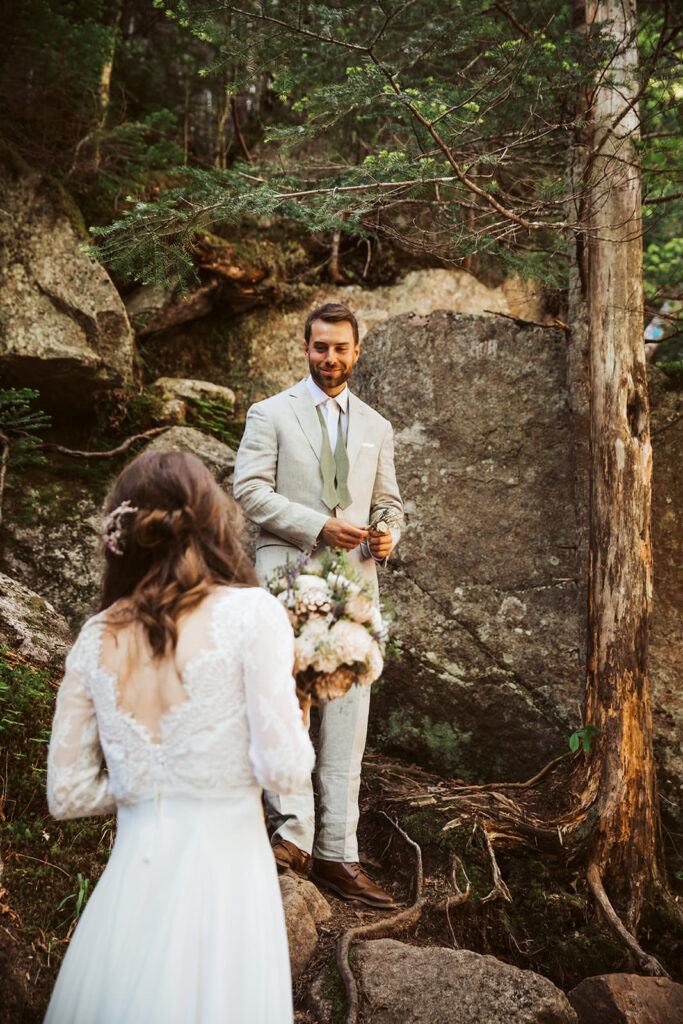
{"points": [[186, 924]]}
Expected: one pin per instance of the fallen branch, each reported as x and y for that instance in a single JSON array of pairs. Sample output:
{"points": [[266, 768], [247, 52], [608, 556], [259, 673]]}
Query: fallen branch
{"points": [[378, 929], [521, 322], [74, 454]]}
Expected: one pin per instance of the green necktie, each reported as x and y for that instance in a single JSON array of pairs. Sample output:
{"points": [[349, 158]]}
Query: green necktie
{"points": [[334, 466]]}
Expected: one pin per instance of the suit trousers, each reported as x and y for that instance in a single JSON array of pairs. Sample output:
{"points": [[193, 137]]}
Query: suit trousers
{"points": [[343, 730]]}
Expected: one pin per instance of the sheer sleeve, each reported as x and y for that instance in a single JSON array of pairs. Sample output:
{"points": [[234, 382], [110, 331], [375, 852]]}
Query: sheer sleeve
{"points": [[280, 750], [77, 780]]}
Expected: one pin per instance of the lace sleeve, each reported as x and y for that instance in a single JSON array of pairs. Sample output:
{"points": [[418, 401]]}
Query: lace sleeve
{"points": [[280, 750], [77, 780]]}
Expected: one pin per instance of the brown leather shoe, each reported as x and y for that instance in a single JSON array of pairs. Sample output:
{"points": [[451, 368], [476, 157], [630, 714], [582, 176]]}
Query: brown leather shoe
{"points": [[351, 883], [287, 855]]}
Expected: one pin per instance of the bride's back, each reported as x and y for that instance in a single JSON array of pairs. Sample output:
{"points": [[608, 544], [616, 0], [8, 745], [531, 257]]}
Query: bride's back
{"points": [[149, 687], [183, 724]]}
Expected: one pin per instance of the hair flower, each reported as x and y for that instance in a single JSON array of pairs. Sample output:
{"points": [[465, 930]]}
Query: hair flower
{"points": [[114, 528]]}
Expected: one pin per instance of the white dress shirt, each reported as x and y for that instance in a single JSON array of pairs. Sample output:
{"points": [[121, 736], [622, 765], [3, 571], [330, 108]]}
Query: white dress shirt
{"points": [[331, 408]]}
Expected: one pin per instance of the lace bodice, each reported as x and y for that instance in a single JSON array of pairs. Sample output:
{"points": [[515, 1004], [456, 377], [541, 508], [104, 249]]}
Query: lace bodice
{"points": [[238, 725]]}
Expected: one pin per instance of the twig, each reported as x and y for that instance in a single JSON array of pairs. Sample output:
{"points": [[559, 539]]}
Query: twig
{"points": [[647, 201], [518, 25], [521, 322], [647, 963], [45, 863], [49, 447], [378, 929], [367, 262]]}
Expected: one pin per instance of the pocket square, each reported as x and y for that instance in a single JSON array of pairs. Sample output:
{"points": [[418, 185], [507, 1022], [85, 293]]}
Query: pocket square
{"points": [[367, 444]]}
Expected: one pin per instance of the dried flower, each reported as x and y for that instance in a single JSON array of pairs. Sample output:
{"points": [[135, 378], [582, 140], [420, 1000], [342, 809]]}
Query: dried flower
{"points": [[360, 608], [313, 602], [114, 530]]}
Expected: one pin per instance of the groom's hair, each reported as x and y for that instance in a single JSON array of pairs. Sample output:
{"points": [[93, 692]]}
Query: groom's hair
{"points": [[332, 313]]}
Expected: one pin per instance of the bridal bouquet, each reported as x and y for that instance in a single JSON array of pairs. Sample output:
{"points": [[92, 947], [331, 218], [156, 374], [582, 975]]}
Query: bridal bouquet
{"points": [[339, 633]]}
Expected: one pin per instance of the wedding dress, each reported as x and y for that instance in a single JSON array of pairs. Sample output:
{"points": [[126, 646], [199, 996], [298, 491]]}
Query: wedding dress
{"points": [[186, 925]]}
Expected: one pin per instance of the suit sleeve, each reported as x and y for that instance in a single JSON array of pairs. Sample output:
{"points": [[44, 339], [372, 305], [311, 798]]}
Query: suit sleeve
{"points": [[254, 487], [385, 493]]}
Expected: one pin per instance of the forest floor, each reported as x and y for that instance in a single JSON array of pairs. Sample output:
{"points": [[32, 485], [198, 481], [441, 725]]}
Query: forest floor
{"points": [[50, 868]]}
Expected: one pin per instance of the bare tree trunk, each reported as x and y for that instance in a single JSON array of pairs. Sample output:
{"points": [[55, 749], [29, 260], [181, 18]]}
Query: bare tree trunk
{"points": [[4, 457], [623, 842], [186, 120], [221, 152], [105, 83]]}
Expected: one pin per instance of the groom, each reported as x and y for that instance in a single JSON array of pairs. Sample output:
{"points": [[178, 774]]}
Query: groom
{"points": [[314, 464]]}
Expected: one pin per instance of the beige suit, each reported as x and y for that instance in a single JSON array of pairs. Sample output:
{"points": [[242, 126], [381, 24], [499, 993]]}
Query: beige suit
{"points": [[279, 483]]}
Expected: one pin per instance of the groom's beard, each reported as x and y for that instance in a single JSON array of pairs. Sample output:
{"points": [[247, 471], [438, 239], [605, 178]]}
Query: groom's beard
{"points": [[330, 380]]}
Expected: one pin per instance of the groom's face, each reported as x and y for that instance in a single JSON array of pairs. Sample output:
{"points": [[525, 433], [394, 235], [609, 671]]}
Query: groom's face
{"points": [[332, 353]]}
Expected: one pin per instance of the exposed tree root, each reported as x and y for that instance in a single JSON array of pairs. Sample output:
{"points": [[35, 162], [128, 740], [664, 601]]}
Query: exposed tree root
{"points": [[461, 895], [499, 886], [648, 964], [378, 929], [516, 814]]}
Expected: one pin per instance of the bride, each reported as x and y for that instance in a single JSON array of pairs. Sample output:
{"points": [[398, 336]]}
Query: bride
{"points": [[177, 707]]}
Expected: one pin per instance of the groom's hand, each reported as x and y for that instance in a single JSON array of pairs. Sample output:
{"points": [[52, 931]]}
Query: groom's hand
{"points": [[380, 544], [340, 533]]}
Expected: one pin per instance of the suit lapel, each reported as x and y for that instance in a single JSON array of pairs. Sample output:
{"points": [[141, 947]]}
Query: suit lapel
{"points": [[304, 409], [356, 428]]}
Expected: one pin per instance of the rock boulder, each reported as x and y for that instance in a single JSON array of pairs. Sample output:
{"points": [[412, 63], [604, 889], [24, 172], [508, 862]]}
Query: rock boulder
{"points": [[304, 908], [63, 326], [483, 579], [401, 984], [31, 626], [627, 999]]}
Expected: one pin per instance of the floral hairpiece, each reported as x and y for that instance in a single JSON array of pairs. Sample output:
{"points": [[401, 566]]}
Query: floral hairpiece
{"points": [[113, 530]]}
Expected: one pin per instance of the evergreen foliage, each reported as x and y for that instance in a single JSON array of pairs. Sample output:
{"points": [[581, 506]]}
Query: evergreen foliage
{"points": [[19, 425], [446, 126]]}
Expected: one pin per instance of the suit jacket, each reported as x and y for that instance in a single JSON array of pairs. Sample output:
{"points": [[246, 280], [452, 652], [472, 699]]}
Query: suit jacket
{"points": [[278, 479]]}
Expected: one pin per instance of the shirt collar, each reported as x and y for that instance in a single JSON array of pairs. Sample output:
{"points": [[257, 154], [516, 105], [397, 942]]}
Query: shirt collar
{"points": [[319, 396]]}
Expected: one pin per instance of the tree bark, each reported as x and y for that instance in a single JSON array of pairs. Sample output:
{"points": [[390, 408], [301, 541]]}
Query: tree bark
{"points": [[623, 844]]}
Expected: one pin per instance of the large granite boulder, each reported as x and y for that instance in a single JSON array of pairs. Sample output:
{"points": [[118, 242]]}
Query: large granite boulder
{"points": [[401, 984], [483, 579], [487, 680], [627, 999], [31, 626], [59, 557], [63, 326]]}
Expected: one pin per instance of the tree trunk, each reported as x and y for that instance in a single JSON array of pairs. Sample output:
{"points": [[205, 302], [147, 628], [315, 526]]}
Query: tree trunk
{"points": [[105, 83], [623, 842], [578, 361]]}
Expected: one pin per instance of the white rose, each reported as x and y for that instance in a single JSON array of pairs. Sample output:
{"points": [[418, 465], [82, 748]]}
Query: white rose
{"points": [[308, 582]]}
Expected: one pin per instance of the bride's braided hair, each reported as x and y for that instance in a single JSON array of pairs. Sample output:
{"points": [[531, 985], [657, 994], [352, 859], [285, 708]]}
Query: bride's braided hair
{"points": [[179, 537]]}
